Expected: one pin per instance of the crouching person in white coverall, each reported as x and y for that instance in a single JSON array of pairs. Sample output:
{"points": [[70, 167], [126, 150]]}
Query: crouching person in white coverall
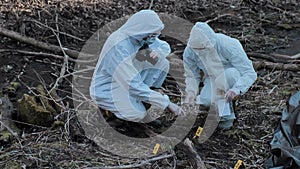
{"points": [[132, 61], [227, 70]]}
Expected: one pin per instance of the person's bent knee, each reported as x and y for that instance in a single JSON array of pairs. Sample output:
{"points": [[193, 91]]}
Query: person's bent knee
{"points": [[203, 101], [163, 64], [134, 117]]}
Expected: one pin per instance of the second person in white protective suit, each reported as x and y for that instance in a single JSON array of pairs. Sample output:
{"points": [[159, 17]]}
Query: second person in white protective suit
{"points": [[227, 70], [132, 60]]}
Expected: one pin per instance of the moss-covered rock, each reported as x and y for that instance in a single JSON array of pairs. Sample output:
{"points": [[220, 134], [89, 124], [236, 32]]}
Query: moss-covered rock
{"points": [[5, 136], [37, 110]]}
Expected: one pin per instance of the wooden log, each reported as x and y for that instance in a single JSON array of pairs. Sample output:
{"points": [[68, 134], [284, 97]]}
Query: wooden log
{"points": [[294, 57], [188, 148], [31, 41], [277, 66], [276, 58]]}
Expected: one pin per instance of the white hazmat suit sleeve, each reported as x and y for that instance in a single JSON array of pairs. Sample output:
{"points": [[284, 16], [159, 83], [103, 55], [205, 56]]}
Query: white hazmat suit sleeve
{"points": [[162, 48], [192, 71], [129, 78], [233, 51]]}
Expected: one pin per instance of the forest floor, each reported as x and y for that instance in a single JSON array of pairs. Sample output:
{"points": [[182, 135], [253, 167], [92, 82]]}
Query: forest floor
{"points": [[268, 28]]}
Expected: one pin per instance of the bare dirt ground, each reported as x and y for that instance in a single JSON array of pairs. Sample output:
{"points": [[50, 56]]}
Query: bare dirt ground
{"points": [[263, 27]]}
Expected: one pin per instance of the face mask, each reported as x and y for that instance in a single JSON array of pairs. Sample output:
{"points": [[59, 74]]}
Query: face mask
{"points": [[149, 41]]}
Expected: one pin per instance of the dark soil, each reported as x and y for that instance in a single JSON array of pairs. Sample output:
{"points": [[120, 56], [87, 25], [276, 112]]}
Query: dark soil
{"points": [[262, 26]]}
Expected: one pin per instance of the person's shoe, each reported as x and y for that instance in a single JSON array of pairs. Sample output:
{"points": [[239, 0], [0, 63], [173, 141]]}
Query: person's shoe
{"points": [[115, 123], [155, 123], [203, 107], [226, 122], [226, 125]]}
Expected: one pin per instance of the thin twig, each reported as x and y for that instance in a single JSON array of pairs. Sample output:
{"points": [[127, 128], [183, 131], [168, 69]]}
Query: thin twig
{"points": [[175, 162], [151, 4], [65, 65], [67, 126], [220, 16], [8, 128], [53, 96], [63, 33], [271, 91], [15, 134], [142, 163]]}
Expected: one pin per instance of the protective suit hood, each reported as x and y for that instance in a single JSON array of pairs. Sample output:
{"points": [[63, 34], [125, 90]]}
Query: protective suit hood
{"points": [[202, 36], [138, 26], [142, 24]]}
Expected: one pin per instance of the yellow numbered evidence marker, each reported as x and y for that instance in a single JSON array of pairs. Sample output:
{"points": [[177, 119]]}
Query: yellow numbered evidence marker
{"points": [[156, 148], [238, 164], [198, 132]]}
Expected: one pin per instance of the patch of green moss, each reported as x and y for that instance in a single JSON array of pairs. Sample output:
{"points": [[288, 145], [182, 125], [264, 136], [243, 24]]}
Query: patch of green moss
{"points": [[30, 111], [38, 110], [57, 125], [5, 136], [12, 164]]}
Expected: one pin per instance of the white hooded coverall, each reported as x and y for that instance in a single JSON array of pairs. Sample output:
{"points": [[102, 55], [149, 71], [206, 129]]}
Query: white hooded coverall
{"points": [[120, 82], [223, 61]]}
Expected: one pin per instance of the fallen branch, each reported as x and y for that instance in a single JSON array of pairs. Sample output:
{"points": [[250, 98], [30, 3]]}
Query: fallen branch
{"points": [[276, 66], [297, 56], [142, 163], [31, 41], [35, 53], [276, 58], [188, 147], [46, 55], [294, 57], [263, 56], [221, 16]]}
